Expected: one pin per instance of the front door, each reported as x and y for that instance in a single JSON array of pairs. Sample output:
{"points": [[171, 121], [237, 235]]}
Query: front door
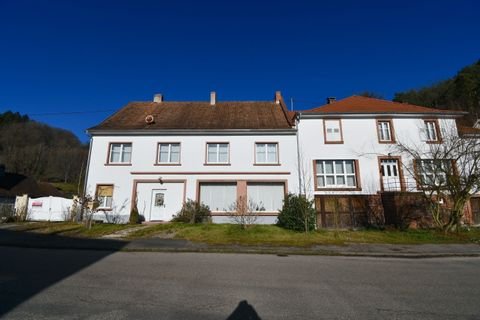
{"points": [[390, 173], [158, 209]]}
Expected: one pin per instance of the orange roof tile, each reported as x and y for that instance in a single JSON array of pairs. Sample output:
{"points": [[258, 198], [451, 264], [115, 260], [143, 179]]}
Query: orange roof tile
{"points": [[359, 104], [468, 131]]}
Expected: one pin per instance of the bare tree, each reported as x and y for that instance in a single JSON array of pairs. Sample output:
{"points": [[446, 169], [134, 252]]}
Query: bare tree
{"points": [[244, 212], [447, 173]]}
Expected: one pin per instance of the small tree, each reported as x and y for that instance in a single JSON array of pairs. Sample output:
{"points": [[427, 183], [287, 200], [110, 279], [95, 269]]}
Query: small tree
{"points": [[244, 212], [134, 215], [193, 212], [447, 174], [297, 213], [89, 207]]}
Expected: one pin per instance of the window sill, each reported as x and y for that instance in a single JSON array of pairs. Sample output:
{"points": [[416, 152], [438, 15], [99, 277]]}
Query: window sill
{"points": [[334, 142], [118, 164], [267, 164], [167, 164], [230, 214], [338, 189], [217, 164], [387, 142], [433, 142], [104, 209]]}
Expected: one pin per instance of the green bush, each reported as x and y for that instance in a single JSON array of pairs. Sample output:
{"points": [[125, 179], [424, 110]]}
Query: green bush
{"points": [[193, 212], [297, 214], [134, 216]]}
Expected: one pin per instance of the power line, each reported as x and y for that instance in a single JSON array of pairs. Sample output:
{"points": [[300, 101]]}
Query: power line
{"points": [[68, 113]]}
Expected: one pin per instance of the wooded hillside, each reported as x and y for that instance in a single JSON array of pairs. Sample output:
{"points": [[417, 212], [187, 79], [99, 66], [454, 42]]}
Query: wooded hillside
{"points": [[40, 151], [462, 92]]}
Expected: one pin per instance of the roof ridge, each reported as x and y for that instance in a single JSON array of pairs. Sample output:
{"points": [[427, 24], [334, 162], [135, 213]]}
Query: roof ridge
{"points": [[206, 101]]}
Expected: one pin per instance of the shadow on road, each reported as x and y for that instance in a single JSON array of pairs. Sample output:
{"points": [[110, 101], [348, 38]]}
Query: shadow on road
{"points": [[24, 272], [243, 311]]}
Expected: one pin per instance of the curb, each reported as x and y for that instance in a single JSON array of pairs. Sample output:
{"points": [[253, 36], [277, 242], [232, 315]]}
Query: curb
{"points": [[281, 252]]}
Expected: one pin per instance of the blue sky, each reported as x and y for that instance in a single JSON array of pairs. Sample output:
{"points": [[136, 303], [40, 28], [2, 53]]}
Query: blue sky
{"points": [[91, 56]]}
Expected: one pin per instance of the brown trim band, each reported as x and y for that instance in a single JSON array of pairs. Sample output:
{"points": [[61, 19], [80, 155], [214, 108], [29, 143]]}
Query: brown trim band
{"points": [[260, 214], [209, 173]]}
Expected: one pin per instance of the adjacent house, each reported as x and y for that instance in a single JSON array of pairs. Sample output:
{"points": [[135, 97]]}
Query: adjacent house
{"points": [[349, 152], [158, 154]]}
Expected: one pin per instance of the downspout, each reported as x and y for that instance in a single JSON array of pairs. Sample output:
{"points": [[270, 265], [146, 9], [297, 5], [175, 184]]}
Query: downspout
{"points": [[298, 155]]}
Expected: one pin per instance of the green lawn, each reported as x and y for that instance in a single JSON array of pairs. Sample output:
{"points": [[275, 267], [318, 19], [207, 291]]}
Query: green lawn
{"points": [[276, 236], [221, 234]]}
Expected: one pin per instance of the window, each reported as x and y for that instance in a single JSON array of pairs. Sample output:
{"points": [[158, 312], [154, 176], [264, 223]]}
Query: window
{"points": [[333, 131], [431, 131], [433, 172], [120, 153], [266, 196], [218, 196], [336, 174], [104, 196], [169, 153], [217, 153], [266, 152], [385, 132]]}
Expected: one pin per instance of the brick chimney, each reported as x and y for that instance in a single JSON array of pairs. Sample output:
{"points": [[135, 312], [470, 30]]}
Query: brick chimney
{"points": [[331, 100], [278, 97], [158, 98], [213, 98]]}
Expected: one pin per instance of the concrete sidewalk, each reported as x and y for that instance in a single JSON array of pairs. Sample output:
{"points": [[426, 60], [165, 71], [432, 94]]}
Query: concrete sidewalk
{"points": [[36, 240]]}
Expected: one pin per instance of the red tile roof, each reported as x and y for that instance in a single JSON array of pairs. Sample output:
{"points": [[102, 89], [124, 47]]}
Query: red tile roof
{"points": [[359, 104], [200, 115], [468, 131]]}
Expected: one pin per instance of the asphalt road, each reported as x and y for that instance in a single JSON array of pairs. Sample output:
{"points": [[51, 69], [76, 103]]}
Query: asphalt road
{"points": [[80, 284]]}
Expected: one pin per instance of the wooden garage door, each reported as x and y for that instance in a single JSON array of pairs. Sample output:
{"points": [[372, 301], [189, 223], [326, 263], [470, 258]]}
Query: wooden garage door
{"points": [[475, 204], [341, 211]]}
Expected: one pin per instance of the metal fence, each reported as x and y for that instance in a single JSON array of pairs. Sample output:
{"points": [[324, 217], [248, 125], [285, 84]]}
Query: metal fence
{"points": [[406, 184]]}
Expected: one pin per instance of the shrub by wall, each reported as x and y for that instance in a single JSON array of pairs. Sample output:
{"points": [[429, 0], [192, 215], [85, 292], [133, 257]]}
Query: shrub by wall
{"points": [[193, 212], [297, 214]]}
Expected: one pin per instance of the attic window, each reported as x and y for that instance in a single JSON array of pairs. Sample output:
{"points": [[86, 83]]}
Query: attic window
{"points": [[333, 131]]}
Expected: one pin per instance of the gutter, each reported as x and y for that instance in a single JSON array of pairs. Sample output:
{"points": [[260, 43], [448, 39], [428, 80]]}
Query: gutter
{"points": [[311, 115], [190, 132]]}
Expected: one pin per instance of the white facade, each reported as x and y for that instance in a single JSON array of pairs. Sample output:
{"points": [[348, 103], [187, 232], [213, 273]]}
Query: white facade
{"points": [[325, 153], [361, 143], [162, 188]]}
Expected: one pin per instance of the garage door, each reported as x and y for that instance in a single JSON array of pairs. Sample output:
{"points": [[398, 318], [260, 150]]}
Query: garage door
{"points": [[341, 211]]}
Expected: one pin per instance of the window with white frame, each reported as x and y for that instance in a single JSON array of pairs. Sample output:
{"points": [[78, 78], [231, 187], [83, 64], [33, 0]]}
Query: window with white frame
{"points": [[120, 153], [104, 196], [333, 130], [384, 131], [431, 130], [169, 153], [336, 174], [217, 152], [218, 196], [264, 196], [433, 172], [266, 152]]}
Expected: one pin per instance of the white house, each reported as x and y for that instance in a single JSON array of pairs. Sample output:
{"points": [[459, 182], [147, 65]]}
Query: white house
{"points": [[348, 148], [163, 153]]}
